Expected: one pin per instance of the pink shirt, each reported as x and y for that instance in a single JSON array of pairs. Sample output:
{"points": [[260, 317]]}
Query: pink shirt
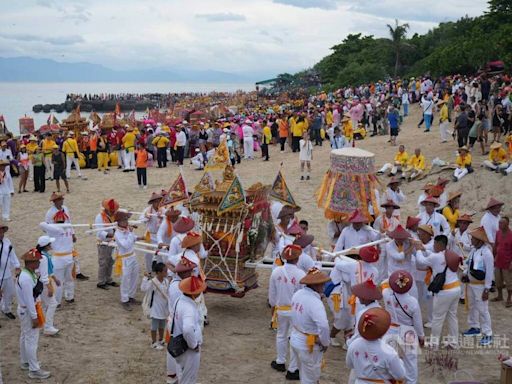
{"points": [[503, 249]]}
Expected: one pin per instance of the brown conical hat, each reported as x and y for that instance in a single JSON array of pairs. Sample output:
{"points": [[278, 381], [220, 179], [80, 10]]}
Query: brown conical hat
{"points": [[453, 260], [374, 323], [400, 281], [367, 290], [292, 252], [192, 285], [493, 203], [315, 276], [399, 233], [480, 234], [304, 240]]}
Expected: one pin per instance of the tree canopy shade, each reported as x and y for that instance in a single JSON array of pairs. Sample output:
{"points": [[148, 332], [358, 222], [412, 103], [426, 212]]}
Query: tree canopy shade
{"points": [[461, 47]]}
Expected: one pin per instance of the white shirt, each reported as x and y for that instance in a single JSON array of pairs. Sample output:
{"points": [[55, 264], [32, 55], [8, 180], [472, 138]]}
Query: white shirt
{"points": [[397, 259], [53, 210], [63, 237], [43, 270], [409, 304], [483, 260], [161, 234], [464, 241], [248, 132], [152, 222], [334, 230], [173, 294], [187, 322], [158, 299], [437, 221], [102, 235], [284, 282], [351, 238], [305, 262], [125, 241], [7, 186], [437, 261], [175, 244], [24, 293], [306, 150], [397, 198], [181, 139], [308, 317], [8, 259], [491, 225], [385, 224], [374, 360], [6, 155]]}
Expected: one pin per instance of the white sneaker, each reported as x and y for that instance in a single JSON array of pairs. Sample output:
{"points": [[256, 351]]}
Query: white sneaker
{"points": [[335, 343], [345, 347], [428, 325], [50, 331], [172, 380], [39, 374], [144, 187], [157, 346], [161, 342], [24, 366]]}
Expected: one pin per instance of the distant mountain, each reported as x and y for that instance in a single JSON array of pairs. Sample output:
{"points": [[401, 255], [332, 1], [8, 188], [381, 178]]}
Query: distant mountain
{"points": [[28, 69]]}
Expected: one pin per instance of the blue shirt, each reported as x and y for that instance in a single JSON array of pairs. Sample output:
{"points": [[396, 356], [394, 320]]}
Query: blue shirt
{"points": [[338, 142], [393, 119]]}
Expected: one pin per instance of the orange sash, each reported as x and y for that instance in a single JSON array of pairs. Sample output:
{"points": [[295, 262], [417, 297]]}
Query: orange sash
{"points": [[40, 315]]}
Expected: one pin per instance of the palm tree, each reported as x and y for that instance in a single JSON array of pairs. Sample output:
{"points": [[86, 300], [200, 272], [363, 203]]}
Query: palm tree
{"points": [[397, 36]]}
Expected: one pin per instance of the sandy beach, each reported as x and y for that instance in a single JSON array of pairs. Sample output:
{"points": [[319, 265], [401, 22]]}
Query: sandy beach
{"points": [[101, 343]]}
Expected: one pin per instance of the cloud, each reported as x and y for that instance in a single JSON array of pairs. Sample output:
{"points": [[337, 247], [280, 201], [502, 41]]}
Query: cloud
{"points": [[220, 17], [322, 4], [61, 40]]}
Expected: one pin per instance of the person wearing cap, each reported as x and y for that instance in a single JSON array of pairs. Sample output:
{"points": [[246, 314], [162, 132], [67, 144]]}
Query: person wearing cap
{"points": [[399, 164], [32, 146], [490, 221], [503, 260], [70, 148], [459, 240], [387, 221], [357, 233], [365, 352], [406, 319], [166, 230], [47, 147], [395, 194], [6, 155], [415, 166], [23, 167], [433, 218], [463, 162], [283, 284], [105, 245], [50, 282], [451, 210], [152, 218], [187, 322], [307, 259], [478, 274], [285, 221], [400, 254], [6, 190], [445, 302], [310, 332], [8, 263], [248, 140], [411, 225], [181, 227], [161, 142], [28, 290], [497, 160], [128, 142], [126, 263]]}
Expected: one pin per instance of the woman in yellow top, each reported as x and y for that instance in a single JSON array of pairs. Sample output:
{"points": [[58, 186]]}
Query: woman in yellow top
{"points": [[497, 158], [128, 141], [266, 140], [298, 125], [348, 129], [70, 149], [463, 162], [415, 165], [47, 146], [451, 211]]}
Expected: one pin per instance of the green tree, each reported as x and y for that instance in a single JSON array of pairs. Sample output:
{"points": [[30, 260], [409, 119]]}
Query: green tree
{"points": [[397, 37]]}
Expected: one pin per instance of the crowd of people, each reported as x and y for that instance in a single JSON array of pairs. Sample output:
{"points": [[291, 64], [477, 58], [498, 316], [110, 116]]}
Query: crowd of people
{"points": [[376, 293]]}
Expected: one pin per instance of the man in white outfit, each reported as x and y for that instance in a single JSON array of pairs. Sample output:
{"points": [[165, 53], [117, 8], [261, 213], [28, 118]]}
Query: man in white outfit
{"points": [[6, 190], [284, 282], [310, 333], [435, 219], [357, 233], [104, 238], [479, 272], [126, 263], [28, 290], [491, 219], [152, 217], [248, 133], [187, 323], [395, 194], [8, 263]]}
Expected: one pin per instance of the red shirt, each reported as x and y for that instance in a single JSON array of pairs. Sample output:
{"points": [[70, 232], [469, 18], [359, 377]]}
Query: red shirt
{"points": [[503, 249]]}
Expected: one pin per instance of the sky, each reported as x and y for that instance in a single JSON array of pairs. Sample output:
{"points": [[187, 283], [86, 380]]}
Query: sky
{"points": [[238, 36]]}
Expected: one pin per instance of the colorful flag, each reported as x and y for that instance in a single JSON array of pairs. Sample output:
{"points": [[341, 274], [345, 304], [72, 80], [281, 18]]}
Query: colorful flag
{"points": [[205, 185], [281, 192], [234, 197], [176, 194]]}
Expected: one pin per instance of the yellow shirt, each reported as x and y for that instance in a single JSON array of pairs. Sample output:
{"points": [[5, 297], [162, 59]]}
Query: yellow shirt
{"points": [[498, 156], [451, 216], [31, 147], [508, 143], [70, 147], [160, 141], [129, 141], [267, 135], [401, 157], [444, 113], [417, 162], [299, 128], [47, 146], [463, 162], [348, 131], [329, 118]]}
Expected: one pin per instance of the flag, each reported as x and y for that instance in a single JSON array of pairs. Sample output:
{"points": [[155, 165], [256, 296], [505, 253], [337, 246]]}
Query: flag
{"points": [[205, 185], [281, 192], [234, 197], [176, 194]]}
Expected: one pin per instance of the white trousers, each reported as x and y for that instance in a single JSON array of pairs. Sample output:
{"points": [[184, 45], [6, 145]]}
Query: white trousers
{"points": [[5, 200], [129, 160], [343, 319], [188, 364], [248, 148], [443, 129], [30, 171], [29, 339], [63, 271], [310, 365], [201, 303], [197, 161], [72, 160], [49, 167], [284, 328], [172, 367], [478, 316], [120, 157], [49, 307], [489, 164], [425, 298], [394, 168], [445, 307], [8, 293], [129, 278], [459, 173]]}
